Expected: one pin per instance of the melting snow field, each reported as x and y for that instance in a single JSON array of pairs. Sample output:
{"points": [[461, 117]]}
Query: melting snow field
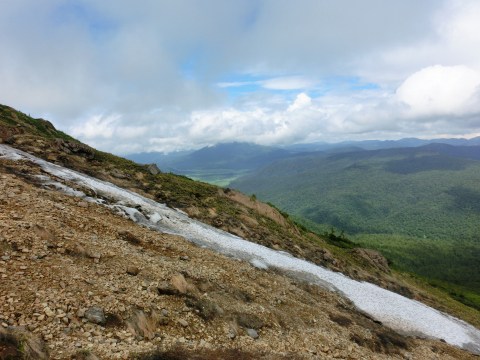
{"points": [[395, 311]]}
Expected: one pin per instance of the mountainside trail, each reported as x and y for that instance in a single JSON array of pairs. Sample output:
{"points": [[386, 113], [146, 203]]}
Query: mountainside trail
{"points": [[117, 289]]}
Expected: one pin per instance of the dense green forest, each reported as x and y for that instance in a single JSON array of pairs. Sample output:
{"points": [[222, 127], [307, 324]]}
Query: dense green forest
{"points": [[419, 206]]}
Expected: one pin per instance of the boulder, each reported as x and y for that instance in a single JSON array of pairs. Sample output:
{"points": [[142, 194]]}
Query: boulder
{"points": [[153, 169]]}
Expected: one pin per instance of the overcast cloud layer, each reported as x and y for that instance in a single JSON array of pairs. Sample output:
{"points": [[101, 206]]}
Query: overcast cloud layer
{"points": [[129, 76]]}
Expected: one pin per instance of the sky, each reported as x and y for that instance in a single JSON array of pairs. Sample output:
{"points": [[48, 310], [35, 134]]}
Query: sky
{"points": [[131, 76]]}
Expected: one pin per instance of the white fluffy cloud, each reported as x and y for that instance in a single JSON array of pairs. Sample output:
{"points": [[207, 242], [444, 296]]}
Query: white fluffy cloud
{"points": [[301, 101], [441, 90], [157, 75]]}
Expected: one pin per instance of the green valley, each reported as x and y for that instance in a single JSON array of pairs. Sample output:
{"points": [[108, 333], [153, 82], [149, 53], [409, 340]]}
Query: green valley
{"points": [[419, 206]]}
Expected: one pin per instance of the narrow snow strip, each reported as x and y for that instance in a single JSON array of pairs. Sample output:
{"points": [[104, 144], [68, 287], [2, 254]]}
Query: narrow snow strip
{"points": [[395, 311]]}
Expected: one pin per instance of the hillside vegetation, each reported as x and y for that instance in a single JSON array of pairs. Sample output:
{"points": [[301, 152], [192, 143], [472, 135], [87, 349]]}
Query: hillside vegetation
{"points": [[419, 206]]}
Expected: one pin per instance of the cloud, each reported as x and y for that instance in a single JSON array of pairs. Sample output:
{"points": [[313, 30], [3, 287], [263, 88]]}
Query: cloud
{"points": [[452, 39], [96, 126], [164, 75], [301, 101], [276, 83], [440, 90], [287, 83], [109, 129]]}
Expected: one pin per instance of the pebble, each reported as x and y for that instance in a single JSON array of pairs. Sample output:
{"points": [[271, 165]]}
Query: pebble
{"points": [[252, 333], [49, 312], [133, 270], [183, 322], [95, 315]]}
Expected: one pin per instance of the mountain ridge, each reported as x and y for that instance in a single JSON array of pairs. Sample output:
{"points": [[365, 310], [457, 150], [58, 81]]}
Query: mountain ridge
{"points": [[223, 163]]}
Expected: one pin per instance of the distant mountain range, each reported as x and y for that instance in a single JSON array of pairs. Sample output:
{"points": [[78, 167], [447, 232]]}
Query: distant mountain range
{"points": [[222, 163], [218, 164], [380, 144]]}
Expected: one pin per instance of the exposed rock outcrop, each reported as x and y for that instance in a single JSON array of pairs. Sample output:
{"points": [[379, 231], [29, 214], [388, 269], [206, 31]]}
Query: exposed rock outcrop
{"points": [[374, 258]]}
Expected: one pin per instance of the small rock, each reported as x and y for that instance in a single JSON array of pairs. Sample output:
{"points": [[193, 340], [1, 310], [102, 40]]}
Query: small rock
{"points": [[94, 255], [179, 283], [81, 313], [153, 169], [165, 288], [183, 322], [205, 308], [163, 320], [95, 315], [252, 333], [129, 237], [249, 321], [49, 312], [133, 270]]}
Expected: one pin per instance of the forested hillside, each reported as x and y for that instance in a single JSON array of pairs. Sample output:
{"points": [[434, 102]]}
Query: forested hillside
{"points": [[420, 206]]}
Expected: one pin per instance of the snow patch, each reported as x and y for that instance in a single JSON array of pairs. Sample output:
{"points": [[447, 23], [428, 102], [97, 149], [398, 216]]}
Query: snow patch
{"points": [[258, 264]]}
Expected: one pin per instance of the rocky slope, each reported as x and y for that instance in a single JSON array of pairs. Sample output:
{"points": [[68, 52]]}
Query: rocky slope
{"points": [[78, 279]]}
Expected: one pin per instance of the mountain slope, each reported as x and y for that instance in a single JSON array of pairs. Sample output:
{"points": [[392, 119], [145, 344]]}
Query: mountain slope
{"points": [[100, 284], [418, 205], [104, 251]]}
